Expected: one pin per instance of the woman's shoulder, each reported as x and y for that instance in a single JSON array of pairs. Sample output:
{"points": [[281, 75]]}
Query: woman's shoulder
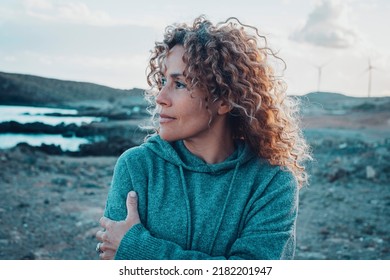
{"points": [[136, 154], [134, 161], [274, 175], [264, 168]]}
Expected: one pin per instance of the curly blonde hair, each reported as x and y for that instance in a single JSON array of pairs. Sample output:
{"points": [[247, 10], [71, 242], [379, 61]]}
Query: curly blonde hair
{"points": [[228, 62]]}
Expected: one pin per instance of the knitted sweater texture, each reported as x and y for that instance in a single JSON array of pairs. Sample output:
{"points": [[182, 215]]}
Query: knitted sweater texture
{"points": [[242, 208]]}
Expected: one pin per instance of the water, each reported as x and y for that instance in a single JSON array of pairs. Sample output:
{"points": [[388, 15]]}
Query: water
{"points": [[26, 114], [9, 140]]}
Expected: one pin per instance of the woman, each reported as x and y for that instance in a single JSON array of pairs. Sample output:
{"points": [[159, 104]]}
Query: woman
{"points": [[219, 178]]}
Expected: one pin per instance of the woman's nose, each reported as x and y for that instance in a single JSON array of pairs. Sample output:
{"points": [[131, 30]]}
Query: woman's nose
{"points": [[163, 97]]}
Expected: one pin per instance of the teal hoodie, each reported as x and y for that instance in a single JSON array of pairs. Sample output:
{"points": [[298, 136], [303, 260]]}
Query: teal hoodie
{"points": [[242, 208]]}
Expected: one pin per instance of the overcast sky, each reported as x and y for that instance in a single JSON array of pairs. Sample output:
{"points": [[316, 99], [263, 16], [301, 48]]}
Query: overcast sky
{"points": [[109, 42]]}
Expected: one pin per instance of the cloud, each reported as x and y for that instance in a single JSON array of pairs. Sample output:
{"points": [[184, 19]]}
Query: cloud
{"points": [[38, 4], [68, 12], [328, 26]]}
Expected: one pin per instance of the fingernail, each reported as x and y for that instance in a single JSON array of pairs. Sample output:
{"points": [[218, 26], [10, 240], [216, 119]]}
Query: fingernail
{"points": [[133, 194]]}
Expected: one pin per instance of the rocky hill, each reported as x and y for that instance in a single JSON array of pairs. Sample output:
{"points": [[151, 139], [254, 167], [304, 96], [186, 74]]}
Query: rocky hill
{"points": [[338, 104], [20, 89]]}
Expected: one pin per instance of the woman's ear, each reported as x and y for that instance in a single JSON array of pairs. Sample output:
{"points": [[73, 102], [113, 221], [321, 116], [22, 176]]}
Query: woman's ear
{"points": [[223, 107]]}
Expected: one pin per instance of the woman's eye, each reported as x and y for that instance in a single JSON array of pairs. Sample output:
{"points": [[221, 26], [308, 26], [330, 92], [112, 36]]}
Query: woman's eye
{"points": [[180, 85], [163, 81]]}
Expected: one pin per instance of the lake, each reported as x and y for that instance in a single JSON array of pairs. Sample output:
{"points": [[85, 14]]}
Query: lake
{"points": [[26, 114], [9, 140]]}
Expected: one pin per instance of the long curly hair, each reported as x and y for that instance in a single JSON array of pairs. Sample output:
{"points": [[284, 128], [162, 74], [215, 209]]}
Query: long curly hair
{"points": [[230, 60]]}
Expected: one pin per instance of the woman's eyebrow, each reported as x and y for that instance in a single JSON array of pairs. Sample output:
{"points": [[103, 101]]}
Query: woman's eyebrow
{"points": [[176, 75], [173, 75]]}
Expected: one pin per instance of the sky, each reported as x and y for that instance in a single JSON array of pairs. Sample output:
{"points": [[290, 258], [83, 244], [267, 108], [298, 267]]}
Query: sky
{"points": [[109, 42]]}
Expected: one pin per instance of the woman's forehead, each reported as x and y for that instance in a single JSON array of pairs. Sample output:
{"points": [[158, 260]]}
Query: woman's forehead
{"points": [[173, 62]]}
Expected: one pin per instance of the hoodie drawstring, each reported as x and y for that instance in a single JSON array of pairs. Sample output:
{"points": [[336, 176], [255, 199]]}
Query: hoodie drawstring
{"points": [[188, 206], [224, 208]]}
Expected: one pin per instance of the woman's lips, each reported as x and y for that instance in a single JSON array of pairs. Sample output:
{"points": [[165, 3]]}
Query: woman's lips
{"points": [[165, 119]]}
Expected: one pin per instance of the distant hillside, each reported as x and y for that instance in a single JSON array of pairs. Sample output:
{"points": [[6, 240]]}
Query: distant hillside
{"points": [[337, 102], [19, 89], [328, 96]]}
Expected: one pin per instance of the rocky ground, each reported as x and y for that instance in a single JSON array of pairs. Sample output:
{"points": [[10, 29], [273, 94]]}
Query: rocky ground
{"points": [[50, 204], [344, 213]]}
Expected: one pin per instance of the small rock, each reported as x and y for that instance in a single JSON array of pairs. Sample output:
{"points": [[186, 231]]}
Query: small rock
{"points": [[343, 146], [370, 172], [92, 186], [374, 201], [4, 242], [23, 205], [313, 256], [29, 256], [60, 181], [359, 220], [324, 231], [304, 248], [337, 174]]}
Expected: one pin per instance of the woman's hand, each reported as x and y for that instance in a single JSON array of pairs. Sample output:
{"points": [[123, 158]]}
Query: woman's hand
{"points": [[113, 232]]}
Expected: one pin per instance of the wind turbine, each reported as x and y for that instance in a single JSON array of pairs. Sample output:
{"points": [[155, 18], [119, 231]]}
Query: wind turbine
{"points": [[319, 67], [369, 70]]}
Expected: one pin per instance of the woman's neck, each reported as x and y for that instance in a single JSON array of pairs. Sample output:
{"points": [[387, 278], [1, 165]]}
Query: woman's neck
{"points": [[212, 149]]}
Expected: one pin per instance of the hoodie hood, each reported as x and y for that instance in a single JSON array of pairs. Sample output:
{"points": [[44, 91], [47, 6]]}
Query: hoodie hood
{"points": [[177, 154]]}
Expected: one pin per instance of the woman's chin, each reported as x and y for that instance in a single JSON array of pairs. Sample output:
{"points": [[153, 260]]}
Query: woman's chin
{"points": [[167, 137]]}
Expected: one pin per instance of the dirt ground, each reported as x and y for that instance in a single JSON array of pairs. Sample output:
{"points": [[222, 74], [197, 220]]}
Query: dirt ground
{"points": [[50, 205], [344, 212]]}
